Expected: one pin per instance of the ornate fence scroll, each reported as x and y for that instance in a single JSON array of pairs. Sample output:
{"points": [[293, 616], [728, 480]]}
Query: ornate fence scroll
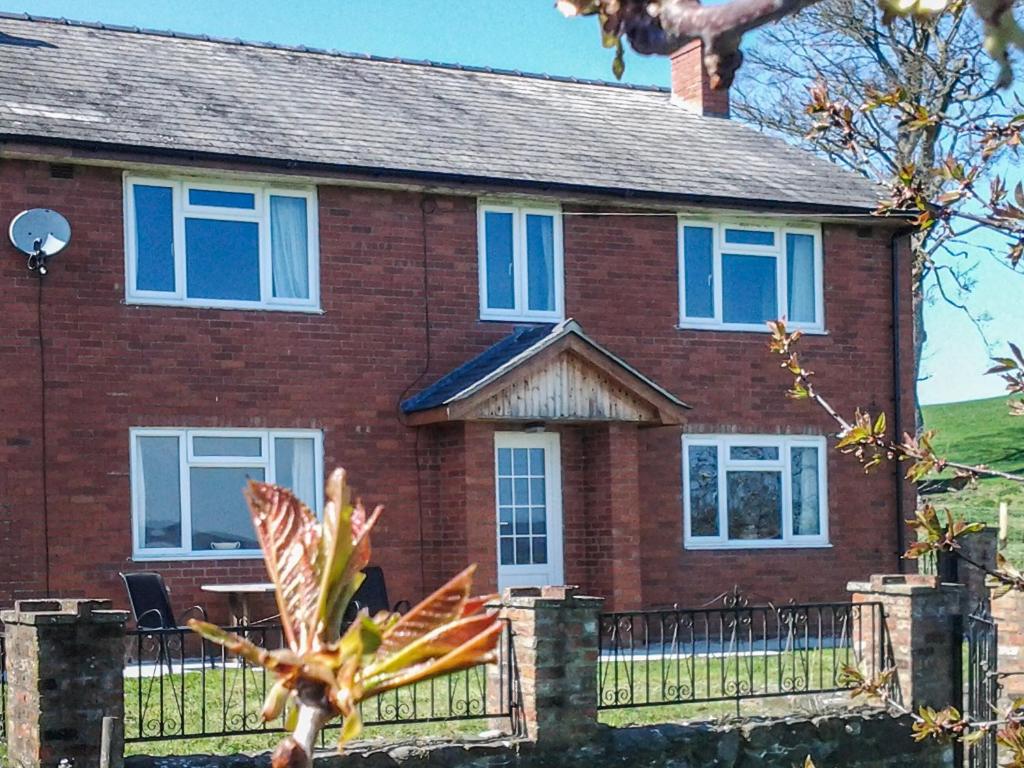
{"points": [[732, 651]]}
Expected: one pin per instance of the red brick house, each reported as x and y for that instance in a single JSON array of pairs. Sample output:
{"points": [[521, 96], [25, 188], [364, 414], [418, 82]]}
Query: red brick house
{"points": [[525, 312]]}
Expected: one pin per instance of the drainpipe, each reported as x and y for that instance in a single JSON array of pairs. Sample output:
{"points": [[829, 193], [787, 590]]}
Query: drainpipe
{"points": [[897, 391]]}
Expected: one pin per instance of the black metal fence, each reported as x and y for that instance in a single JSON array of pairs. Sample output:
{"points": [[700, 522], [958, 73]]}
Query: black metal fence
{"points": [[735, 652], [982, 694], [179, 686]]}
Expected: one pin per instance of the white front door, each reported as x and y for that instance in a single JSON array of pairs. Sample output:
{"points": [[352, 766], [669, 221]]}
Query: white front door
{"points": [[528, 496]]}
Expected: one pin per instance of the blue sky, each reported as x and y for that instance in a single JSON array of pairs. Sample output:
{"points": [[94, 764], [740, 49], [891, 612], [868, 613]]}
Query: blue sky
{"points": [[530, 35]]}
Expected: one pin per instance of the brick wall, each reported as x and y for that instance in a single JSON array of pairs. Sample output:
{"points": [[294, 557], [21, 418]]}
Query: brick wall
{"points": [[110, 366]]}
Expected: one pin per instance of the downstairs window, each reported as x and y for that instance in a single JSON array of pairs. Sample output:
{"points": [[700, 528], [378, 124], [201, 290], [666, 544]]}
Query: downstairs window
{"points": [[754, 491], [187, 486]]}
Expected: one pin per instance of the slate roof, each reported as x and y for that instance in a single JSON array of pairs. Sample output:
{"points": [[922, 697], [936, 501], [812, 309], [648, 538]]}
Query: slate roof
{"points": [[79, 83], [510, 352]]}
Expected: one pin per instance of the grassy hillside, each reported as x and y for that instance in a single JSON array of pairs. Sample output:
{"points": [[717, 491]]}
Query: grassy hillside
{"points": [[981, 432]]}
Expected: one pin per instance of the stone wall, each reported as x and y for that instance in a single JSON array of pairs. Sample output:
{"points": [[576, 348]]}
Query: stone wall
{"points": [[854, 740]]}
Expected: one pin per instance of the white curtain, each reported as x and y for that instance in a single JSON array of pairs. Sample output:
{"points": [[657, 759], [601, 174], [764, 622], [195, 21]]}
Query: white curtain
{"points": [[800, 257], [289, 250], [541, 283], [806, 519], [296, 468]]}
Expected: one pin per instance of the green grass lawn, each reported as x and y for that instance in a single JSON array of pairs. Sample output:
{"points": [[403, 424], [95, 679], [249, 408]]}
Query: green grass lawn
{"points": [[664, 690], [981, 432], [230, 699]]}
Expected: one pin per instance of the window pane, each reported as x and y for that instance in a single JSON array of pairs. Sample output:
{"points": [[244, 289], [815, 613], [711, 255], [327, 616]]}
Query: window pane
{"points": [[698, 255], [222, 199], [749, 237], [519, 461], [227, 446], [498, 253], [540, 262], [748, 289], [504, 491], [754, 505], [154, 238], [537, 462], [806, 504], [289, 247], [507, 556], [754, 452], [540, 549], [222, 259], [160, 488], [522, 520], [538, 520], [295, 467], [505, 461], [219, 513], [521, 490], [505, 521], [537, 495], [522, 550], [800, 277], [703, 475]]}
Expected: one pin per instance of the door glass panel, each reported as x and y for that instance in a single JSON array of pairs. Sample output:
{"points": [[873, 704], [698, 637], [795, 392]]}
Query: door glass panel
{"points": [[507, 555], [522, 506]]}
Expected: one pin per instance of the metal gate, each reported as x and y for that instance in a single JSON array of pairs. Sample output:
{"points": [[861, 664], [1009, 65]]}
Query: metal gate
{"points": [[981, 697]]}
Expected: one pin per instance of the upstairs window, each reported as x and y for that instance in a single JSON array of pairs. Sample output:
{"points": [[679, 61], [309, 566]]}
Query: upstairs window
{"points": [[739, 277], [221, 245], [187, 486], [743, 491], [520, 263]]}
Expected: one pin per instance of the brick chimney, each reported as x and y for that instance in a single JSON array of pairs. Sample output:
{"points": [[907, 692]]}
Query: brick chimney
{"points": [[691, 86]]}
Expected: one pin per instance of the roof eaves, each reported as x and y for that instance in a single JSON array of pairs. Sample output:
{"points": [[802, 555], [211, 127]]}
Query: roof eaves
{"points": [[389, 173]]}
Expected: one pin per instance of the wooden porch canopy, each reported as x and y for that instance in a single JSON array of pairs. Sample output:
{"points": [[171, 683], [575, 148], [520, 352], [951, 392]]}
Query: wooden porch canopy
{"points": [[549, 373]]}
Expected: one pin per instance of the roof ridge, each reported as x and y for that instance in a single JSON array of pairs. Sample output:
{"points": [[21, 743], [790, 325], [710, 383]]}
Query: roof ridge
{"points": [[326, 52]]}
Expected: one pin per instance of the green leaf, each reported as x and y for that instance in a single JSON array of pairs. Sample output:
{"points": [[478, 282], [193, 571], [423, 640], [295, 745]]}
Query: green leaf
{"points": [[618, 63]]}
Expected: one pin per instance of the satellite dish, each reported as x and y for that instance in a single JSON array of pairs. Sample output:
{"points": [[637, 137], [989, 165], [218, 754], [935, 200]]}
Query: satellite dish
{"points": [[41, 234]]}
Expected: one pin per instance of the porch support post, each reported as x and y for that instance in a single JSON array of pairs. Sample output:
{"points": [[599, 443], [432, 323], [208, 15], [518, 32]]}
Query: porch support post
{"points": [[480, 510], [617, 479]]}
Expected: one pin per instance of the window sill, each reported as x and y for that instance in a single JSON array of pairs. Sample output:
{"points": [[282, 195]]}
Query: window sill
{"points": [[232, 305], [755, 545], [746, 329], [225, 554]]}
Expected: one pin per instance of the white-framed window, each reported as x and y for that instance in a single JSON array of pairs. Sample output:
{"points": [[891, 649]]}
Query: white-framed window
{"points": [[737, 276], [521, 262], [187, 486], [211, 244], [754, 491]]}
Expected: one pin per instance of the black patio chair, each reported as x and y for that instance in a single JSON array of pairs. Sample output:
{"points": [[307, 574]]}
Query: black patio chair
{"points": [[373, 596], [151, 607], [151, 602]]}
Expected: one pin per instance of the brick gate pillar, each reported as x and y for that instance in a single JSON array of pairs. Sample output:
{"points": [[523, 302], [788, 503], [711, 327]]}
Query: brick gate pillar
{"points": [[554, 649], [1008, 615], [65, 662], [920, 630]]}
